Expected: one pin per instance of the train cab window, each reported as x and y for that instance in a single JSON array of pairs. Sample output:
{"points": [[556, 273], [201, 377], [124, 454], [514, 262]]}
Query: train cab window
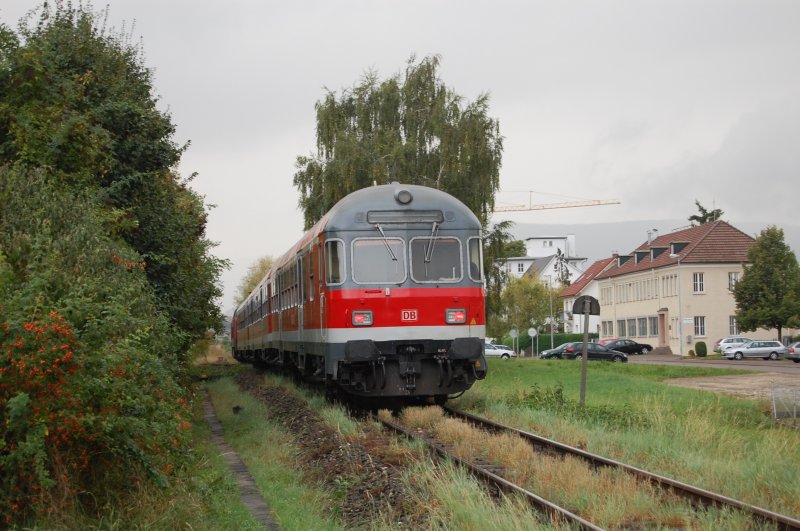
{"points": [[475, 259], [379, 260], [334, 262], [436, 259]]}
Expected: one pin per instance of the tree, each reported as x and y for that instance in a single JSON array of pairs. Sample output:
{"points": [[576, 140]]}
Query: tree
{"points": [[498, 246], [410, 128], [525, 303], [768, 294], [705, 216], [254, 274], [78, 100], [561, 268]]}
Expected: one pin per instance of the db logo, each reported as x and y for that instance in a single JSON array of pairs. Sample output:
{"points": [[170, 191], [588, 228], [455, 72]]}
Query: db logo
{"points": [[408, 315]]}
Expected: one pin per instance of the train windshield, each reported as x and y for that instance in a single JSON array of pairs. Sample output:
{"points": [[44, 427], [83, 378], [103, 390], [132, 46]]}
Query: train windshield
{"points": [[379, 261], [436, 259]]}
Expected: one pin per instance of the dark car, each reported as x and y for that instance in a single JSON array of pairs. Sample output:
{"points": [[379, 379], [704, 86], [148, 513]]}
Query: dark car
{"points": [[793, 352], [628, 346], [573, 351]]}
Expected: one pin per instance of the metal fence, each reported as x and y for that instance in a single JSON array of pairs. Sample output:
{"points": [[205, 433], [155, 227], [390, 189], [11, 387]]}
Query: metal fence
{"points": [[786, 402]]}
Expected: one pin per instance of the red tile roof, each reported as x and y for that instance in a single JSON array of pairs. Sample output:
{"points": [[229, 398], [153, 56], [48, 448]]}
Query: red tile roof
{"points": [[582, 281], [710, 243]]}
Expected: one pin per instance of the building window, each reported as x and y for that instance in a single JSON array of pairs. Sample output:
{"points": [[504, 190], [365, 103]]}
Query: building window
{"points": [[732, 326], [520, 268], [653, 325], [621, 328], [698, 284], [733, 278], [642, 326], [631, 327], [699, 326], [608, 328]]}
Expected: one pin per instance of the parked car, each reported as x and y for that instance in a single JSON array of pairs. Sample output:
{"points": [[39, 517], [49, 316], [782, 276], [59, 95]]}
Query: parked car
{"points": [[732, 341], [608, 340], [769, 350], [573, 351], [628, 346], [793, 352], [499, 351]]}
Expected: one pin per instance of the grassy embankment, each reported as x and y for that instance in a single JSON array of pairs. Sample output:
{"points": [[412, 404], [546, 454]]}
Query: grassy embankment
{"points": [[720, 442], [724, 443]]}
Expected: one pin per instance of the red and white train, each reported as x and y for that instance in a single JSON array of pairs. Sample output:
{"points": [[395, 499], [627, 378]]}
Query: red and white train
{"points": [[383, 297]]}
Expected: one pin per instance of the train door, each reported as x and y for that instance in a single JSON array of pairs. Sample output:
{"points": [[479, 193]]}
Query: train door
{"points": [[323, 332], [301, 284]]}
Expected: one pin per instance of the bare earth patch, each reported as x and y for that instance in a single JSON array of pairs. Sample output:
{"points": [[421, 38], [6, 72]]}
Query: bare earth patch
{"points": [[756, 386]]}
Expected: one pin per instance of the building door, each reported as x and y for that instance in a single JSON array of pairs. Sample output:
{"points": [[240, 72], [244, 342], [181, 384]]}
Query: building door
{"points": [[662, 329]]}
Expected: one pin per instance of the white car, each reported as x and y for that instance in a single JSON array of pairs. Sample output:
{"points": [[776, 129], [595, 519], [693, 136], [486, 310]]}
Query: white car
{"points": [[733, 341], [499, 351]]}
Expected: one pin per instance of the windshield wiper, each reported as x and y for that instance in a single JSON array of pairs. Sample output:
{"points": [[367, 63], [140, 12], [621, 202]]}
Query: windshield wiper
{"points": [[431, 243], [386, 242]]}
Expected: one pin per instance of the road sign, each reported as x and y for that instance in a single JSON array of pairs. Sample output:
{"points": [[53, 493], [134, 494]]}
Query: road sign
{"points": [[532, 332], [579, 309], [513, 332]]}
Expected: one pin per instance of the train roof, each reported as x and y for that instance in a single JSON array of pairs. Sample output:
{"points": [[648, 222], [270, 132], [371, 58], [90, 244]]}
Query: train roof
{"points": [[413, 203], [351, 212]]}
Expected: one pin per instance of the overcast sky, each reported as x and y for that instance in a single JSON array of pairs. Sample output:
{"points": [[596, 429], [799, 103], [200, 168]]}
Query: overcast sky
{"points": [[655, 104]]}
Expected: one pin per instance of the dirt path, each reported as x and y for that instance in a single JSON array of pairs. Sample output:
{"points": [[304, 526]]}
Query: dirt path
{"points": [[758, 386], [251, 497]]}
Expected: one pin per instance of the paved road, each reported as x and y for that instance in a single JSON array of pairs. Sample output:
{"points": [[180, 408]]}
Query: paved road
{"points": [[779, 366]]}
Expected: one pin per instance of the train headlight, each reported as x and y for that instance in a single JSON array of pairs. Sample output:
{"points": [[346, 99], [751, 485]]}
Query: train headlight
{"points": [[455, 316], [362, 318]]}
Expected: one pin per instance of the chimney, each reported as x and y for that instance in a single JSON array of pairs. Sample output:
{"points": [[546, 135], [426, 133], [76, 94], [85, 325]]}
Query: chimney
{"points": [[651, 235]]}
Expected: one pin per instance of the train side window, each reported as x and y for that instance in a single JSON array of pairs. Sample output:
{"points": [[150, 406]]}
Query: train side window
{"points": [[310, 262], [475, 259], [334, 262]]}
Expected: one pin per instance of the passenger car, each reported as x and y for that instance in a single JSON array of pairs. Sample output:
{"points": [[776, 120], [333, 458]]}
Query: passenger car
{"points": [[628, 346], [732, 341], [500, 351], [769, 350], [793, 352], [573, 351]]}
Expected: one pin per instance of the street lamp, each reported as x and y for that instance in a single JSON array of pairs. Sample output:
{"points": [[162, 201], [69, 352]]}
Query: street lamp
{"points": [[550, 293]]}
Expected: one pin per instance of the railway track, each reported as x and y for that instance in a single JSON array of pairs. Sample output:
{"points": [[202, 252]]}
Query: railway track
{"points": [[486, 472], [694, 494]]}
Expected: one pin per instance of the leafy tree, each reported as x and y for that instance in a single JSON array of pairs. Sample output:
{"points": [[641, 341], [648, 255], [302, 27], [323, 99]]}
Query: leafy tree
{"points": [[705, 216], [254, 274], [562, 271], [526, 303], [410, 128], [498, 246], [768, 294], [78, 100]]}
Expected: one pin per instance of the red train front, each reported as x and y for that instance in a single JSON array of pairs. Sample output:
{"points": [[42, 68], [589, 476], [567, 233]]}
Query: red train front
{"points": [[382, 298]]}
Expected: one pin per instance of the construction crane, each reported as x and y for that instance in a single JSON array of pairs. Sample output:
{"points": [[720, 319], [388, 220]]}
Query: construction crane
{"points": [[546, 206]]}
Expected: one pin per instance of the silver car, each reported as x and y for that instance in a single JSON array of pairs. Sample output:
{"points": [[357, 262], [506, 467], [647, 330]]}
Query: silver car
{"points": [[769, 350], [732, 341], [500, 351]]}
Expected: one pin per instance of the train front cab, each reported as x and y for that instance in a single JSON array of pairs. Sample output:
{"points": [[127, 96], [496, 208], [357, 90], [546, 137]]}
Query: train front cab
{"points": [[406, 315]]}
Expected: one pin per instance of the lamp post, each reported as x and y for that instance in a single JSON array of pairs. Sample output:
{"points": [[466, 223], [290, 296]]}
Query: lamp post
{"points": [[550, 293]]}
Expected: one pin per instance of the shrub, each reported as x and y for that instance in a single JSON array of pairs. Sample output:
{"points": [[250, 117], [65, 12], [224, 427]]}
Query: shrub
{"points": [[702, 349], [691, 353]]}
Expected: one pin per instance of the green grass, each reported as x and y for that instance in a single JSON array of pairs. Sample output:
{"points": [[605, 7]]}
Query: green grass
{"points": [[271, 458], [726, 444]]}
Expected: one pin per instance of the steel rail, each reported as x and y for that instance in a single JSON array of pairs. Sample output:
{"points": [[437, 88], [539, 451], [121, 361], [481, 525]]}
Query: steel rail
{"points": [[544, 505], [697, 494]]}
